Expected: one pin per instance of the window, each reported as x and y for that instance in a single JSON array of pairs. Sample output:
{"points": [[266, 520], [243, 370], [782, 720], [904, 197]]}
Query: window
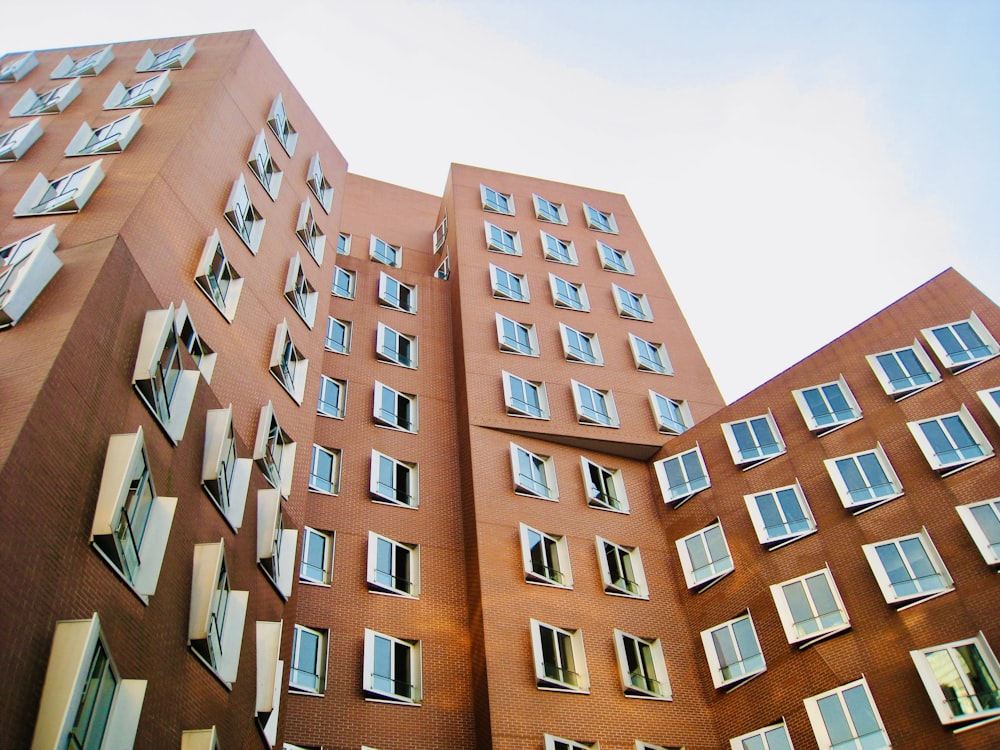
{"points": [[594, 406], [560, 661], [534, 475], [827, 407], [810, 608], [396, 348], [501, 241], [569, 295], [774, 737], [270, 670], [218, 614], [395, 409], [318, 183], [554, 213], [85, 702], [962, 344], [705, 557], [275, 543], [344, 282], [299, 292], [903, 372], [52, 102], [393, 567], [15, 143], [545, 558], [392, 670], [288, 365], [393, 481], [605, 487], [558, 743], [243, 217], [65, 195], [225, 476], [26, 268], [671, 417], [441, 233], [631, 305], [780, 516], [338, 335], [317, 557], [324, 474], [560, 251], [650, 357], [524, 398], [517, 338], [962, 679], [332, 397], [991, 400], [218, 279], [131, 522], [682, 476], [159, 378], [753, 441], [381, 251], [202, 354], [107, 139], [310, 234], [951, 442], [276, 120], [621, 570], [909, 569], [443, 271], [864, 480], [618, 261], [274, 451], [579, 346], [208, 739], [263, 166], [396, 295], [18, 68], [172, 59], [733, 652], [643, 670], [309, 657], [343, 244], [846, 717], [507, 285], [498, 203], [983, 523], [143, 94], [600, 220]]}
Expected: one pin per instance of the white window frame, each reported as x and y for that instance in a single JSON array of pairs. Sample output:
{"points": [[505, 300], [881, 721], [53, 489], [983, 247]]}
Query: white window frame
{"points": [[639, 311], [947, 468], [570, 352], [778, 536], [217, 645], [277, 469], [905, 600], [605, 487], [377, 252], [287, 364], [677, 494], [203, 355], [615, 260], [394, 420], [644, 363], [300, 292], [943, 703], [17, 69], [172, 59], [839, 418], [560, 743], [650, 680], [857, 507], [26, 267], [210, 272], [666, 421], [574, 660], [328, 540], [397, 299], [991, 400], [374, 691], [554, 559], [343, 241], [493, 206], [546, 210], [500, 291], [443, 271], [278, 122], [326, 407], [500, 246], [327, 461], [310, 233], [986, 339], [734, 449], [618, 583], [989, 550], [241, 212], [15, 142], [318, 184], [111, 138], [564, 302], [275, 543], [337, 290], [392, 356], [519, 407], [558, 250], [529, 486], [730, 682], [145, 93], [718, 568], [826, 624], [899, 390], [387, 582], [208, 739], [51, 102], [270, 671], [591, 416], [49, 197], [819, 726], [764, 736], [317, 670], [410, 499], [348, 327], [225, 476], [606, 223], [441, 233], [514, 346]]}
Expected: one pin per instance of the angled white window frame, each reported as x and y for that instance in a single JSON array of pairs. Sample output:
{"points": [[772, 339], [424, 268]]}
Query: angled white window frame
{"points": [[318, 548], [217, 278], [64, 195], [991, 400], [393, 481], [780, 516], [203, 355], [300, 292], [393, 567], [396, 295], [319, 184], [516, 337], [225, 476], [982, 521], [672, 417], [270, 671], [275, 543], [952, 432], [208, 739], [631, 305], [243, 216], [523, 397], [310, 233], [600, 221], [580, 346], [962, 344], [594, 406], [89, 65], [864, 480], [440, 233], [343, 243], [503, 241], [605, 487], [18, 68], [621, 570], [560, 659], [545, 558], [395, 347], [392, 670], [754, 440], [733, 652], [84, 699], [131, 522], [218, 613], [961, 679], [174, 58], [274, 451], [908, 569], [560, 743], [112, 138], [705, 556], [380, 251], [338, 335], [332, 400], [145, 93], [496, 202], [866, 727], [546, 210], [682, 476], [51, 102], [501, 281], [827, 407], [642, 667], [287, 364], [26, 267], [345, 283], [905, 371], [558, 250], [443, 271], [773, 737], [15, 142], [614, 260], [284, 131], [569, 295], [650, 356], [263, 166], [324, 470], [534, 474], [810, 608], [395, 409], [309, 661]]}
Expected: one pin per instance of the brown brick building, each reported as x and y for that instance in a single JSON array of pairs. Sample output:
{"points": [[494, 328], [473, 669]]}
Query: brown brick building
{"points": [[518, 515]]}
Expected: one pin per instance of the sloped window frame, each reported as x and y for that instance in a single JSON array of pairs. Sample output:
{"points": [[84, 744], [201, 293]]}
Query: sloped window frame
{"points": [[823, 423], [717, 567], [524, 342], [605, 487], [385, 353], [380, 251], [300, 292], [64, 195], [330, 407], [575, 353], [906, 556], [278, 122], [631, 305], [676, 494], [110, 138], [328, 541], [546, 562], [649, 678], [916, 370], [26, 268], [947, 698], [345, 283], [758, 455], [743, 644], [51, 102], [347, 326], [972, 516], [818, 723], [318, 184], [89, 65], [600, 221], [615, 260], [274, 451], [973, 326], [790, 527], [515, 397], [145, 93], [275, 543], [575, 298], [17, 69], [324, 470], [15, 142], [672, 417], [375, 686], [263, 166], [629, 577], [569, 674], [547, 488], [586, 399], [225, 476], [243, 216], [558, 250], [216, 644], [403, 580], [942, 466], [546, 210], [892, 482], [650, 356], [502, 241], [315, 667], [503, 290], [218, 279], [396, 295], [407, 496], [827, 624], [496, 202], [174, 58], [405, 419]]}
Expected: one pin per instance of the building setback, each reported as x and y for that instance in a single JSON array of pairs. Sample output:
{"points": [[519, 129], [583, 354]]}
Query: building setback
{"points": [[482, 493]]}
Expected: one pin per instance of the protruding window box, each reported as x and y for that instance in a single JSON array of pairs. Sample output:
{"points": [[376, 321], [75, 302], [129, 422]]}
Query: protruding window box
{"points": [[107, 139], [218, 614], [89, 65], [26, 268], [172, 59], [52, 102], [274, 451], [143, 94], [15, 143], [270, 670], [224, 475], [275, 543], [64, 195]]}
